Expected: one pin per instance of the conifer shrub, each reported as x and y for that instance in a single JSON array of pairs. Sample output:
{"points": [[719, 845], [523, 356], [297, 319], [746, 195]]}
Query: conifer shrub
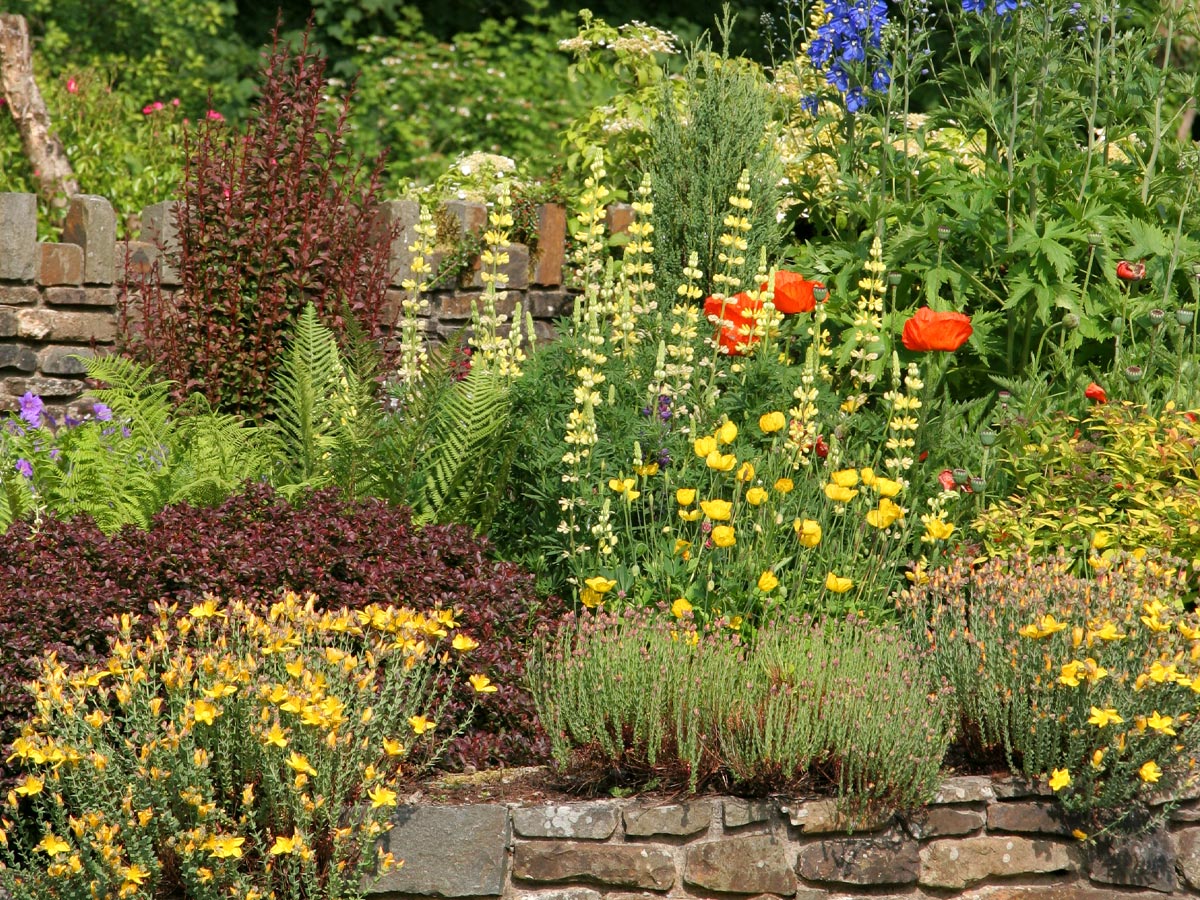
{"points": [[271, 219], [63, 581]]}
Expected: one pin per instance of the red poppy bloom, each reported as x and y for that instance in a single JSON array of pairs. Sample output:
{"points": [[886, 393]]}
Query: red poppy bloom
{"points": [[1096, 393], [821, 448], [1128, 271], [946, 477], [928, 330], [794, 293], [735, 318]]}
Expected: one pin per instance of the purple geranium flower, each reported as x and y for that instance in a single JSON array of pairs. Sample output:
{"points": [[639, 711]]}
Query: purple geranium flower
{"points": [[25, 468], [31, 409], [102, 412]]}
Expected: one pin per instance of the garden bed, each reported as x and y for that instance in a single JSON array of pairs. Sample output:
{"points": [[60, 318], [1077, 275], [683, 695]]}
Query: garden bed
{"points": [[980, 837]]}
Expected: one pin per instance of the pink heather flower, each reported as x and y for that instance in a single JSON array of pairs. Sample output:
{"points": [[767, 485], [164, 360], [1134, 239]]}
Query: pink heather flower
{"points": [[72, 86], [174, 101], [214, 116]]}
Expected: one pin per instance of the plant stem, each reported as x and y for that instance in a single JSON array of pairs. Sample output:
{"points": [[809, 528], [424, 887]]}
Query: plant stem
{"points": [[1158, 104]]}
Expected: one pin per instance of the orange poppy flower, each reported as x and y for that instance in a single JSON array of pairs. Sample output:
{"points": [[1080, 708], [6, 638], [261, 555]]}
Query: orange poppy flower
{"points": [[735, 318], [928, 330], [794, 293], [1095, 393]]}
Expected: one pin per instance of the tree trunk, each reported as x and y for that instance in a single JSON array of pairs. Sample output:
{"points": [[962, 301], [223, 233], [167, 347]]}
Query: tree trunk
{"points": [[55, 179]]}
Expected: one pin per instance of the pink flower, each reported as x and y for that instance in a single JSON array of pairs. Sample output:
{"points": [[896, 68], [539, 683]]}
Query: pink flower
{"points": [[214, 116], [151, 108], [174, 101], [72, 86]]}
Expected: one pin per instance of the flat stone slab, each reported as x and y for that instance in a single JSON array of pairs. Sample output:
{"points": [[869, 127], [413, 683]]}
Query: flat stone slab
{"points": [[448, 851], [887, 859], [944, 821], [585, 821], [738, 813], [824, 817], [1038, 816], [679, 819], [1140, 860], [964, 789], [612, 865], [754, 864], [954, 863]]}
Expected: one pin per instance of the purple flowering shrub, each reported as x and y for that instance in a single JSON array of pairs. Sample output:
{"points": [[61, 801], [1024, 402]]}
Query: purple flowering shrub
{"points": [[62, 582]]}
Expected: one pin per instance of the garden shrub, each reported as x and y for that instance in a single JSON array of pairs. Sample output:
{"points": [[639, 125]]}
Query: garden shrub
{"points": [[64, 580], [843, 704], [275, 218], [226, 751], [1087, 683], [1117, 478]]}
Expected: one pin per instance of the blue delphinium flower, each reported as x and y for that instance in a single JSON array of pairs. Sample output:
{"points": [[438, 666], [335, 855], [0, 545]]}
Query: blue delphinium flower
{"points": [[810, 104], [1004, 7], [855, 99], [845, 41], [31, 409], [973, 6]]}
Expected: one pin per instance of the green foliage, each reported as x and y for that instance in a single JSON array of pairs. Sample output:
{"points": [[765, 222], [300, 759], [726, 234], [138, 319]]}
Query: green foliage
{"points": [[135, 454], [1115, 479], [172, 48], [699, 150], [639, 693], [1041, 661]]}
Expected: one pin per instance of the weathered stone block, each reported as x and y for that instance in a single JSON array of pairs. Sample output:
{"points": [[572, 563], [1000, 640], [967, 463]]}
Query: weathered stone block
{"points": [[887, 859], [1187, 850], [824, 817], [70, 327], [517, 269], [159, 229], [753, 864], [81, 296], [615, 865], [17, 295], [64, 360], [738, 813], [617, 218], [60, 264], [549, 304], [136, 261], [8, 322], [551, 245], [1140, 860], [678, 819], [91, 224], [568, 894], [16, 356], [1012, 787], [18, 237], [964, 789], [56, 388], [397, 220], [955, 863], [941, 821], [586, 821], [448, 851], [1035, 816], [465, 216]]}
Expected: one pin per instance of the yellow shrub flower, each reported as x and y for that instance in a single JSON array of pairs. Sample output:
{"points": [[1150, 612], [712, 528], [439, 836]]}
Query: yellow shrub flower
{"points": [[207, 609], [381, 796], [680, 608], [1070, 674], [224, 847], [30, 785], [1150, 772], [52, 845], [1098, 759], [421, 724], [1106, 632], [745, 472], [722, 462], [767, 582], [704, 446], [837, 585], [808, 531], [769, 423], [784, 485], [299, 763], [717, 510], [839, 494], [284, 845], [756, 496], [1101, 718], [1059, 779], [482, 684], [1046, 627], [392, 747], [205, 712], [727, 433], [464, 643], [1161, 724], [685, 496], [723, 536]]}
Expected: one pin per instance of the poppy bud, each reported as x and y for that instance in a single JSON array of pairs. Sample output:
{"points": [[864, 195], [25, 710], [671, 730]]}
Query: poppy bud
{"points": [[1128, 271], [1133, 374], [1070, 321], [1184, 316], [1156, 316], [943, 233], [987, 437], [1117, 325], [1095, 238], [821, 447]]}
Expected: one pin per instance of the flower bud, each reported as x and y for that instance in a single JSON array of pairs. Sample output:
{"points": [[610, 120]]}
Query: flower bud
{"points": [[943, 233], [1117, 325], [1156, 316], [1070, 321], [1184, 316], [1004, 397], [1133, 374], [987, 437], [1095, 238]]}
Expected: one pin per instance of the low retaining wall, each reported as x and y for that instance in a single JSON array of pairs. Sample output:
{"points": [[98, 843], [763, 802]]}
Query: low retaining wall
{"points": [[981, 839], [59, 300]]}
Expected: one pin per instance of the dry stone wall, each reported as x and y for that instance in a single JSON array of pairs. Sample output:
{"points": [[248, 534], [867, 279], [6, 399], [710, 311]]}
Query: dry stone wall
{"points": [[980, 839], [59, 301]]}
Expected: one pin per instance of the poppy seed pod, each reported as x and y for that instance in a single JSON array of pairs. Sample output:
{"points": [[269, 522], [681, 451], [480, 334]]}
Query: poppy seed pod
{"points": [[1184, 316]]}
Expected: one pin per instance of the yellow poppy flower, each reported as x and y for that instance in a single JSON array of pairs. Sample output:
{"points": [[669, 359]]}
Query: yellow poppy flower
{"points": [[767, 582], [717, 510], [839, 494], [723, 536], [886, 514], [704, 446], [837, 585], [680, 608], [868, 476], [808, 531], [600, 584], [1150, 772], [721, 462], [690, 515], [756, 496], [482, 684], [647, 471], [784, 485], [745, 472], [727, 433], [936, 529], [685, 496], [846, 478], [887, 487], [1059, 779], [683, 548], [624, 487], [769, 423]]}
